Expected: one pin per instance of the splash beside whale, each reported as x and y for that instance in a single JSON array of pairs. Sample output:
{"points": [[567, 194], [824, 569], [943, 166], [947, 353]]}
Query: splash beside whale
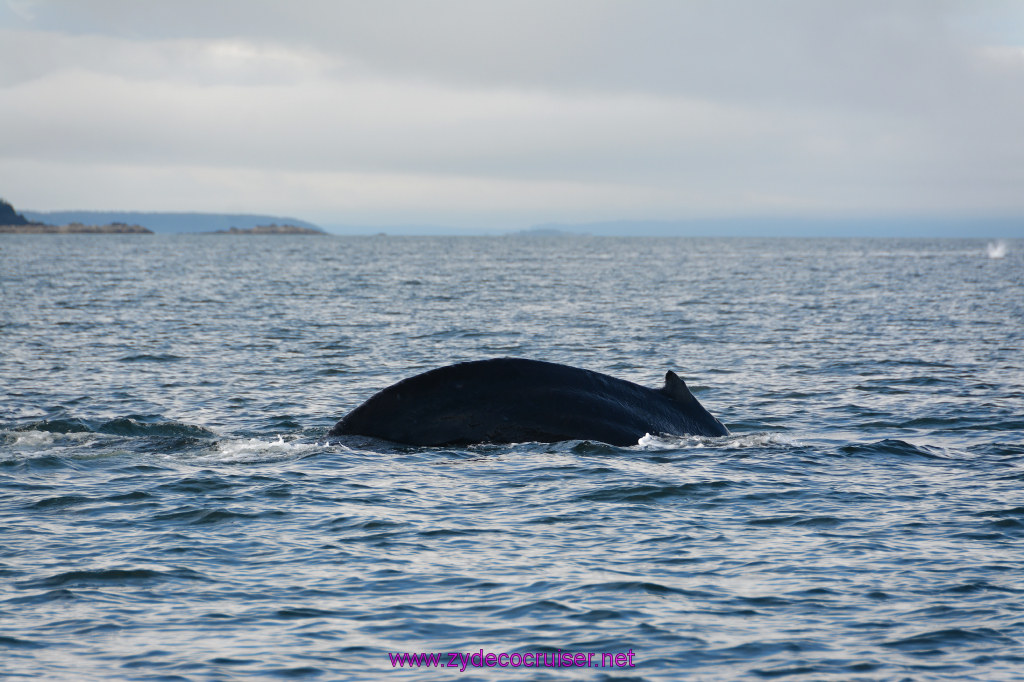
{"points": [[514, 400]]}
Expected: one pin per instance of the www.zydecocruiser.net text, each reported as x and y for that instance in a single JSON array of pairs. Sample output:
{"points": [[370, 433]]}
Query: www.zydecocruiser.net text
{"points": [[529, 659]]}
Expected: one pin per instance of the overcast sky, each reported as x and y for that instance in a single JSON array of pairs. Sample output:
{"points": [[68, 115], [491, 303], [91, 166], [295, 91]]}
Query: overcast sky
{"points": [[502, 114]]}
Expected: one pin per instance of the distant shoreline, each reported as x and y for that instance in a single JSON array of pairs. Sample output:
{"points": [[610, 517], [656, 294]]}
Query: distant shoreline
{"points": [[74, 228], [123, 228], [268, 229], [164, 222]]}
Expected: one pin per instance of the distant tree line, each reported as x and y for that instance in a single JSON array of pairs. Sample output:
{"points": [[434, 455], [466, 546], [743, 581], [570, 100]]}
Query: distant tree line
{"points": [[8, 216]]}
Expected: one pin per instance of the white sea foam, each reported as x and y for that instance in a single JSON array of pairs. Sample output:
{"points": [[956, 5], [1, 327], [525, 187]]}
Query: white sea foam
{"points": [[33, 439], [245, 450], [43, 440], [733, 442], [996, 249], [757, 440], [31, 444], [664, 442]]}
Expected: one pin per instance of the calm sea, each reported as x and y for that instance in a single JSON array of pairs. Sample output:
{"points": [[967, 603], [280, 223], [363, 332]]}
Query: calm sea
{"points": [[170, 508]]}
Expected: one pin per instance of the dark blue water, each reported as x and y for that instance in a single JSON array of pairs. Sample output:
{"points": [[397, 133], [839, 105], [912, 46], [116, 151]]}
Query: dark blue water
{"points": [[170, 510]]}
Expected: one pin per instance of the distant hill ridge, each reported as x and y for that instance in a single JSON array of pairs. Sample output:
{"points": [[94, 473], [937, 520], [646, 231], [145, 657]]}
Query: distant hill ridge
{"points": [[167, 223]]}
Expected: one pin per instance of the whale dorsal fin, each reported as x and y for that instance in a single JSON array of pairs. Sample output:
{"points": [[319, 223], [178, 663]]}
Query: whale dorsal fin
{"points": [[676, 389]]}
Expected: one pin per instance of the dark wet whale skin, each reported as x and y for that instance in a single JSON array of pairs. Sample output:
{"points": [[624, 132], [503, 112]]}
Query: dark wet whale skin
{"points": [[513, 400]]}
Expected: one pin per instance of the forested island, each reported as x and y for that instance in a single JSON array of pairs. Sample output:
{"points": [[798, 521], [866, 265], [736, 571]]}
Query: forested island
{"points": [[127, 222], [173, 222], [12, 222], [74, 228], [270, 229]]}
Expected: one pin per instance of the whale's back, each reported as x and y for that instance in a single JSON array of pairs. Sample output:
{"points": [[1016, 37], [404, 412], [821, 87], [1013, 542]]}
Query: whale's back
{"points": [[508, 400]]}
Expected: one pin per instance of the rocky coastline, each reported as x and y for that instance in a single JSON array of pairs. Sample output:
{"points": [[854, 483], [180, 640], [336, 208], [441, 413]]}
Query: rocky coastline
{"points": [[12, 222], [73, 228], [270, 229]]}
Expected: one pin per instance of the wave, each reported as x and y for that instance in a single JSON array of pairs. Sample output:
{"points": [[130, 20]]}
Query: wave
{"points": [[146, 357], [118, 576], [893, 446], [57, 441], [129, 425], [640, 494]]}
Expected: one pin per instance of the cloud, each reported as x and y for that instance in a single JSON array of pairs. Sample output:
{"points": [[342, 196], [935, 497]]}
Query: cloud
{"points": [[737, 49], [26, 56], [504, 111]]}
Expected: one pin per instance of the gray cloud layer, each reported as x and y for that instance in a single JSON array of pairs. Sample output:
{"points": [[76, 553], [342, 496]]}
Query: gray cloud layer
{"points": [[506, 113]]}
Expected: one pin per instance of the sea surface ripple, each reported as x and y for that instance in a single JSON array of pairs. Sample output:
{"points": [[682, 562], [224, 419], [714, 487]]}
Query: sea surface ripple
{"points": [[171, 509]]}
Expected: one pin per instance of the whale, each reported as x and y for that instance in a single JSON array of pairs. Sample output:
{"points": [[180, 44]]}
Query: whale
{"points": [[518, 400]]}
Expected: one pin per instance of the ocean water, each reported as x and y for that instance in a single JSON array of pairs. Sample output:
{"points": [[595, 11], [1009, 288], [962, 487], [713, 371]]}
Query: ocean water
{"points": [[170, 507]]}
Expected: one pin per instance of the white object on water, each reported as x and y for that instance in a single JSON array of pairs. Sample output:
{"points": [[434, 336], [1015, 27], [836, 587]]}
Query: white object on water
{"points": [[996, 249]]}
